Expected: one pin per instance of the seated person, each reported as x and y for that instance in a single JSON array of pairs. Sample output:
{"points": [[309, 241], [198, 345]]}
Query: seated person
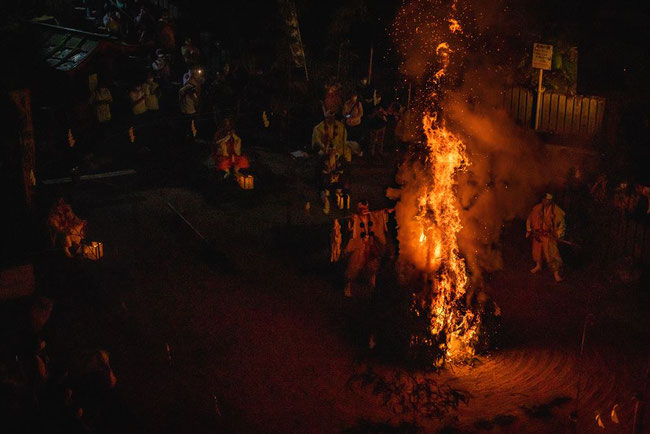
{"points": [[331, 134], [191, 54], [63, 221], [227, 150]]}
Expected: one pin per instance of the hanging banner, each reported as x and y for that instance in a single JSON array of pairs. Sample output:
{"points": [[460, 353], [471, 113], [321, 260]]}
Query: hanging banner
{"points": [[23, 104], [290, 16]]}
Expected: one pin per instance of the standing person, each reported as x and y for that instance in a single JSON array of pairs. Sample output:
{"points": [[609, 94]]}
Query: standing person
{"points": [[332, 101], [331, 134], [166, 33], [546, 226], [188, 98], [138, 101], [333, 182], [151, 93], [161, 65], [599, 190], [377, 123], [139, 111], [195, 77], [190, 53], [353, 113], [145, 24], [366, 246], [101, 100]]}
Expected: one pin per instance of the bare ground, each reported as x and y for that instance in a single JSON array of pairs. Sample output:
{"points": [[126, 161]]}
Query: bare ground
{"points": [[261, 328]]}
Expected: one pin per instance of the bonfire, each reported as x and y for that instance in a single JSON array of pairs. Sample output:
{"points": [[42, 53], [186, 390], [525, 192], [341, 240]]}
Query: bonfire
{"points": [[451, 327], [447, 329]]}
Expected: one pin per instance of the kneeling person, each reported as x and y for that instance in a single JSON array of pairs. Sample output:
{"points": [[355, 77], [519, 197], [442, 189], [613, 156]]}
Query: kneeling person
{"points": [[63, 222], [227, 152]]}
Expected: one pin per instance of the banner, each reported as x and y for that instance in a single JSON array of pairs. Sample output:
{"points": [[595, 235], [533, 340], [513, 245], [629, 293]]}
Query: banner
{"points": [[23, 104], [290, 16]]}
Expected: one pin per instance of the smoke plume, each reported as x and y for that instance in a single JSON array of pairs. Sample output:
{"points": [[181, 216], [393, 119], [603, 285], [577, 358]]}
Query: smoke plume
{"points": [[508, 165]]}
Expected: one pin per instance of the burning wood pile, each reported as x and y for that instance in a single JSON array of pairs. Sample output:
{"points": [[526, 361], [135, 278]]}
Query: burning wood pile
{"points": [[429, 222]]}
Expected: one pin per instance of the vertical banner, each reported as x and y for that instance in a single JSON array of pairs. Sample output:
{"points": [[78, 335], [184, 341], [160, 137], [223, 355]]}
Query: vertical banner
{"points": [[23, 103], [288, 8]]}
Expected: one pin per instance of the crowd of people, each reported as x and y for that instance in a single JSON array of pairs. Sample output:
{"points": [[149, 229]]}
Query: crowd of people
{"points": [[133, 21], [44, 388], [629, 198]]}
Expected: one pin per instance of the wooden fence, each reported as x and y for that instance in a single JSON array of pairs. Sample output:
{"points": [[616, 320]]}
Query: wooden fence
{"points": [[560, 114], [605, 232]]}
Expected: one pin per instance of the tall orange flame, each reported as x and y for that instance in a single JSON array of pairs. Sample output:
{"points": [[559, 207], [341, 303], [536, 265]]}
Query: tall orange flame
{"points": [[429, 235], [440, 223]]}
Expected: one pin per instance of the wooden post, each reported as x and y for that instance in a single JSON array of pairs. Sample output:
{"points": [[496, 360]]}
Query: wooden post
{"points": [[637, 424], [23, 103], [538, 109]]}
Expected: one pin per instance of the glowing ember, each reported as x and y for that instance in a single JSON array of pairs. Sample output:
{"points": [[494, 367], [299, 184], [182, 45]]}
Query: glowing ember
{"points": [[454, 26]]}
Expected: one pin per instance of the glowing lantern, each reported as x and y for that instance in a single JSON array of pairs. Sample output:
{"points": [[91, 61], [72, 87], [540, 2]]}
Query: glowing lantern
{"points": [[342, 200], [94, 251], [246, 182]]}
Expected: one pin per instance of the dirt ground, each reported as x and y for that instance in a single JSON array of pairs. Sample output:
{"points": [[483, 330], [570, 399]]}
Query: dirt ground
{"points": [[250, 332]]}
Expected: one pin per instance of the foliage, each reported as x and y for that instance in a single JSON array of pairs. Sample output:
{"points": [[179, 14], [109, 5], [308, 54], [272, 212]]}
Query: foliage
{"points": [[409, 394]]}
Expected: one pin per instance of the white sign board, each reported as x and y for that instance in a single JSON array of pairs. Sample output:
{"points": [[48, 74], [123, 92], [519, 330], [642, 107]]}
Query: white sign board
{"points": [[542, 56]]}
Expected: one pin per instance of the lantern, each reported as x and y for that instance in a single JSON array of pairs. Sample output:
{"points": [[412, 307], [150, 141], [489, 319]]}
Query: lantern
{"points": [[246, 182], [94, 251], [342, 200]]}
